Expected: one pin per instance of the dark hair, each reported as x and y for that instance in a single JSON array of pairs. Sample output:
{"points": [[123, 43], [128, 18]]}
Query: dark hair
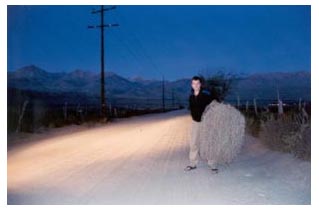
{"points": [[200, 80], [197, 78]]}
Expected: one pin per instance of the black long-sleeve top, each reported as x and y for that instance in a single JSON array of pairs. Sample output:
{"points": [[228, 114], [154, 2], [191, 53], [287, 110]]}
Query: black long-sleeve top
{"points": [[197, 104]]}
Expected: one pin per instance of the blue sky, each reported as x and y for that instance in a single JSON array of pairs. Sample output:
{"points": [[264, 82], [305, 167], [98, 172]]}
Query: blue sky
{"points": [[174, 41]]}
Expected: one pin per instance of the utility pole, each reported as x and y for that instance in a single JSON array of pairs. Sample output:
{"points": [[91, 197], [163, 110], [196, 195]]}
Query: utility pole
{"points": [[173, 99], [102, 26], [163, 94]]}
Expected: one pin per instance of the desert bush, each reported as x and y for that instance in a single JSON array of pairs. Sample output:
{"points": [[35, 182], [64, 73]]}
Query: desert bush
{"points": [[253, 123], [287, 135], [303, 146], [219, 83]]}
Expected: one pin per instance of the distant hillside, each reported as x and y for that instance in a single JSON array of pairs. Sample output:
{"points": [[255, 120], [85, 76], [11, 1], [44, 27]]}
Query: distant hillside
{"points": [[291, 86]]}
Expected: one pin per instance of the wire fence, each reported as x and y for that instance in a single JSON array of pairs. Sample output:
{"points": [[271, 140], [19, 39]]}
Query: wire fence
{"points": [[58, 110]]}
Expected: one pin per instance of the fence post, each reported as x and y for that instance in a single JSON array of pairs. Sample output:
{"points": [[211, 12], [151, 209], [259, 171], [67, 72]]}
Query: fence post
{"points": [[65, 110], [21, 115], [299, 104], [280, 107], [255, 106], [110, 109], [238, 102]]}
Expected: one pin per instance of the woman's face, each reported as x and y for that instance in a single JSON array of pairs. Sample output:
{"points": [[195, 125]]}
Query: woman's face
{"points": [[196, 85]]}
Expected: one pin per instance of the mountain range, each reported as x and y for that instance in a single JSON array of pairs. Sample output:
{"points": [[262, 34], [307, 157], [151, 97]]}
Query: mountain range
{"points": [[262, 86]]}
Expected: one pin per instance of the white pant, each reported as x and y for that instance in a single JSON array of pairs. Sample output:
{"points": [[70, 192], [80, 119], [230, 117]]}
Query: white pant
{"points": [[194, 146]]}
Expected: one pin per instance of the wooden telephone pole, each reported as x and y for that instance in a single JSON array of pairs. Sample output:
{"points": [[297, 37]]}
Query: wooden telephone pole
{"points": [[163, 94], [101, 27]]}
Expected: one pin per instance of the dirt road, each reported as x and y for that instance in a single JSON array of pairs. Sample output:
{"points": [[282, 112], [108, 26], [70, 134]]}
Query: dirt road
{"points": [[140, 161]]}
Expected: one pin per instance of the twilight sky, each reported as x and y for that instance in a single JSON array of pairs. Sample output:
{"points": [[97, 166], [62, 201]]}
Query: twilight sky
{"points": [[174, 41]]}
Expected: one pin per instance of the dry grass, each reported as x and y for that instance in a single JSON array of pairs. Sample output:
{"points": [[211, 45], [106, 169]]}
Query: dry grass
{"points": [[253, 124], [222, 132], [288, 134]]}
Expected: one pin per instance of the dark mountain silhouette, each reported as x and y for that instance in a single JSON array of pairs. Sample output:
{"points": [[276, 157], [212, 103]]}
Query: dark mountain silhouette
{"points": [[262, 86]]}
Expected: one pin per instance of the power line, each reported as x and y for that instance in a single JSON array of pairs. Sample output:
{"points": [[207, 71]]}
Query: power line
{"points": [[143, 50], [129, 50], [155, 67], [149, 58]]}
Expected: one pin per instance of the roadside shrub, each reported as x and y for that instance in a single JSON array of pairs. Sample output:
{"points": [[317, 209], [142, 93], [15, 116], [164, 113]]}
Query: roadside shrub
{"points": [[287, 136]]}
